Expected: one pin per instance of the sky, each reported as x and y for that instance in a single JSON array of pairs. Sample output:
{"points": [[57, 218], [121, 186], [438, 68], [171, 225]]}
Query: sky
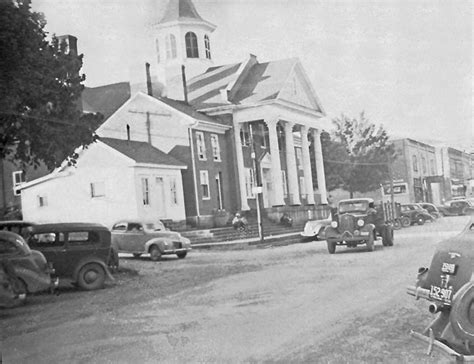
{"points": [[408, 64]]}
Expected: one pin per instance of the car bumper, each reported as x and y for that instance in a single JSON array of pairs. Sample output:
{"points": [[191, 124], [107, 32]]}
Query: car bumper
{"points": [[174, 251]]}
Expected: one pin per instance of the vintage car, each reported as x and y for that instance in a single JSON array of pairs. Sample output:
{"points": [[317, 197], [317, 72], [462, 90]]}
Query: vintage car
{"points": [[358, 222], [79, 252], [9, 294], [314, 229], [457, 207], [415, 213], [448, 285], [148, 237], [29, 266], [431, 209]]}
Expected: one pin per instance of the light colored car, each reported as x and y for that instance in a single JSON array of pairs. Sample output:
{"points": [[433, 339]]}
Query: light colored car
{"points": [[314, 229], [144, 237]]}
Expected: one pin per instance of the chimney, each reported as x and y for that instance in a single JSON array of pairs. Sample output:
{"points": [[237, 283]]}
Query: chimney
{"points": [[148, 80], [185, 87]]}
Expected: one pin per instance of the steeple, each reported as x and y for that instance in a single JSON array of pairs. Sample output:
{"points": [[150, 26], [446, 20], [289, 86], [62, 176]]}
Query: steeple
{"points": [[182, 38]]}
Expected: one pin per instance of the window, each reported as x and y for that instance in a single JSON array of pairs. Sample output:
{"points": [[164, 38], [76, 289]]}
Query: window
{"points": [[191, 45], [216, 149], [120, 226], [415, 163], [264, 135], [42, 201], [145, 192], [18, 179], [205, 185], [299, 158], [302, 186], [45, 240], [174, 190], [97, 189], [157, 45], [201, 146], [432, 167], [423, 164], [170, 46], [249, 182], [83, 237], [285, 185], [208, 46], [245, 135]]}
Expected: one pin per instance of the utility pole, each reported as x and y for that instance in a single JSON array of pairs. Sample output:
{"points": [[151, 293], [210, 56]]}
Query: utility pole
{"points": [[258, 189]]}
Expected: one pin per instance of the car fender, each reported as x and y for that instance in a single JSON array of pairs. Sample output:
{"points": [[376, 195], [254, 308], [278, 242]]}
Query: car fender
{"points": [[313, 227], [368, 227], [85, 261], [36, 281], [331, 232], [159, 242]]}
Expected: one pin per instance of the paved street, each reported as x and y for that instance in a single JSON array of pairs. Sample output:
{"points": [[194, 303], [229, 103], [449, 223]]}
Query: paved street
{"points": [[293, 303]]}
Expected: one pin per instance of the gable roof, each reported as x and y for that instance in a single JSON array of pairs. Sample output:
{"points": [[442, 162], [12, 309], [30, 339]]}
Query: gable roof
{"points": [[179, 10], [263, 82], [105, 99], [142, 152]]}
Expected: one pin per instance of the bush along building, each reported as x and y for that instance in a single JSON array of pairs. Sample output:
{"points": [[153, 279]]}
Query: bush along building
{"points": [[191, 143]]}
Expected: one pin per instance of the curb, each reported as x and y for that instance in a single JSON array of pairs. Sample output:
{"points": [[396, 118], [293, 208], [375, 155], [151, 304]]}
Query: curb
{"points": [[244, 242]]}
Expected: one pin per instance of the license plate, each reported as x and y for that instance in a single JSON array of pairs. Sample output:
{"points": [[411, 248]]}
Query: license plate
{"points": [[441, 294], [449, 268]]}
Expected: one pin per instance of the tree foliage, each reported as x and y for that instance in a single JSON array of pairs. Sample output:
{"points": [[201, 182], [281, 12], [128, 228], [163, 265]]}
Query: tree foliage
{"points": [[356, 155], [40, 89]]}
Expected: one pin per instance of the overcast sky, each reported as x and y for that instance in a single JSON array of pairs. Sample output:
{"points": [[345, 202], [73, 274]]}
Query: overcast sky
{"points": [[407, 64]]}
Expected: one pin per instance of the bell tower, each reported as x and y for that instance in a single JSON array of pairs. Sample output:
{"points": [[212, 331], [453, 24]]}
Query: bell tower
{"points": [[182, 38]]}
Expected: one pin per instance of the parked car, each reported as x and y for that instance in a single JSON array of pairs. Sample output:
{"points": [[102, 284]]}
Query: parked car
{"points": [[29, 266], [314, 229], [415, 213], [432, 209], [448, 286], [358, 222], [9, 296], [79, 252], [146, 237], [457, 207]]}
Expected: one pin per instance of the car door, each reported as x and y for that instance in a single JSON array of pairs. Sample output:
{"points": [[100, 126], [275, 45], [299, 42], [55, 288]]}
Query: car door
{"points": [[119, 235], [53, 247], [134, 238]]}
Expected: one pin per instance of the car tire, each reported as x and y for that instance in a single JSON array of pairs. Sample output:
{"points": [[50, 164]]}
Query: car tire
{"points": [[137, 255], [405, 221], [91, 277], [370, 243], [155, 253], [460, 317], [387, 238], [397, 225], [420, 220], [331, 247], [182, 255]]}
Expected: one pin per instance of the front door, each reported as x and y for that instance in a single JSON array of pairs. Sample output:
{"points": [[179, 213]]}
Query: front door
{"points": [[158, 197], [267, 186]]}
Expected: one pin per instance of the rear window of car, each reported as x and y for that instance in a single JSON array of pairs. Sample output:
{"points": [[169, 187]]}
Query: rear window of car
{"points": [[83, 237], [7, 247], [121, 226], [46, 240]]}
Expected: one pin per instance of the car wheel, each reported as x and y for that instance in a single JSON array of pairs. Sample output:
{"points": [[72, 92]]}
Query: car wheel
{"points": [[331, 247], [91, 277], [155, 253], [420, 220], [397, 225], [370, 243], [460, 317], [182, 255], [387, 238], [405, 221], [137, 255]]}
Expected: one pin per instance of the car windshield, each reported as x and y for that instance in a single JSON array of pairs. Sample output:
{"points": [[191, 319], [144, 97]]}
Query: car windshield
{"points": [[353, 206]]}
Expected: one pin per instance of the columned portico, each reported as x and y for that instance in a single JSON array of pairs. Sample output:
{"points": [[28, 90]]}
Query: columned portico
{"points": [[240, 166], [291, 173], [318, 155], [308, 180], [277, 185]]}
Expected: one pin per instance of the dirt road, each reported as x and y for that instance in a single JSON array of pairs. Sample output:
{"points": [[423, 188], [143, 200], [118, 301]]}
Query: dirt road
{"points": [[285, 304]]}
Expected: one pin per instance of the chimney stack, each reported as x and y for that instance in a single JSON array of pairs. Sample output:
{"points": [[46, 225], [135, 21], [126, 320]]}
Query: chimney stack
{"points": [[148, 80], [128, 132], [185, 87]]}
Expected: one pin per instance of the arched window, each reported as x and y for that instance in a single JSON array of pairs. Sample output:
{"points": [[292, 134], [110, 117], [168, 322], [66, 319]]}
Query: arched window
{"points": [[170, 46], [208, 46], [157, 45], [191, 45]]}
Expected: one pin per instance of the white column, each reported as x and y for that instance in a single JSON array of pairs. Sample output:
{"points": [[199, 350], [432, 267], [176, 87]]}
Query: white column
{"points": [[291, 173], [240, 166], [308, 180], [277, 182], [318, 155]]}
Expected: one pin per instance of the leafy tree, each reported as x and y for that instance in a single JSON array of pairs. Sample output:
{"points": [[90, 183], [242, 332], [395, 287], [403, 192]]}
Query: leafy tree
{"points": [[40, 89], [357, 155]]}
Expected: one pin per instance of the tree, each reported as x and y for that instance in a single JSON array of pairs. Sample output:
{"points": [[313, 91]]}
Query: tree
{"points": [[357, 155], [40, 89]]}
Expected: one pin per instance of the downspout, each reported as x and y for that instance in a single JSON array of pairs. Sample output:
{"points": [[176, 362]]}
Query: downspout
{"points": [[193, 161]]}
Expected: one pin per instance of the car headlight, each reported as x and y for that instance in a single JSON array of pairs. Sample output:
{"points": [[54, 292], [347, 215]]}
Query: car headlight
{"points": [[360, 222], [334, 224]]}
